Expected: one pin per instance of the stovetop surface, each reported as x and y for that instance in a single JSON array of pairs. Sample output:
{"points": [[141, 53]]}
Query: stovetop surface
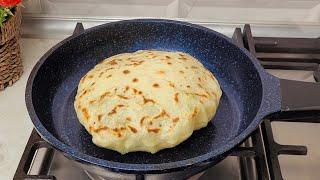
{"points": [[292, 167], [62, 167]]}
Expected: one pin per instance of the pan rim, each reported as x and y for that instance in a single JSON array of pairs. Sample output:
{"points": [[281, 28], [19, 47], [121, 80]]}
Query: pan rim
{"points": [[144, 168]]}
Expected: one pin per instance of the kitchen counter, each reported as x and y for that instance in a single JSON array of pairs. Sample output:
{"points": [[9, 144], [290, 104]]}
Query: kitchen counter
{"points": [[15, 123]]}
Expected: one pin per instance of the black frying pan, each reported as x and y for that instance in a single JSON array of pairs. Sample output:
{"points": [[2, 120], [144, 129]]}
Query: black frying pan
{"points": [[249, 93]]}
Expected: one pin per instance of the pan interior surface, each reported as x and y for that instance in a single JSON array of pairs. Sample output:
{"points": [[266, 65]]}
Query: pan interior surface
{"points": [[55, 84]]}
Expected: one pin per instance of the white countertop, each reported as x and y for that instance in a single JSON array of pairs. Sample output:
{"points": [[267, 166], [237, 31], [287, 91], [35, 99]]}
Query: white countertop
{"points": [[15, 123]]}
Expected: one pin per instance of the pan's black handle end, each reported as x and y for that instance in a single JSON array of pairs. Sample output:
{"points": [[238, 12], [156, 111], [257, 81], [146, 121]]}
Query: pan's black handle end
{"points": [[78, 29], [299, 96]]}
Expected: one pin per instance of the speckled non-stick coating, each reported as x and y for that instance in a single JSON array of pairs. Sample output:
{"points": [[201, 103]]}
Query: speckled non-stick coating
{"points": [[249, 93]]}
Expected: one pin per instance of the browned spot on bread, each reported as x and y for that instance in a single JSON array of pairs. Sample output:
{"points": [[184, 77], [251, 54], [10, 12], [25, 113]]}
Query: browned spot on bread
{"points": [[208, 94], [146, 100], [100, 117], [114, 110], [135, 90], [197, 94], [128, 118], [199, 78], [122, 97], [188, 86], [136, 63], [109, 76], [134, 130], [140, 92], [176, 97], [108, 69], [194, 67], [85, 92], [104, 95], [175, 119], [103, 128], [171, 84], [186, 67], [101, 73], [160, 72], [194, 113], [182, 72], [92, 101], [92, 84], [142, 119], [112, 62], [155, 85], [85, 113], [126, 89], [169, 63], [155, 130], [150, 123], [200, 85], [162, 114], [91, 76], [116, 130], [134, 80], [126, 71], [182, 58], [168, 57]]}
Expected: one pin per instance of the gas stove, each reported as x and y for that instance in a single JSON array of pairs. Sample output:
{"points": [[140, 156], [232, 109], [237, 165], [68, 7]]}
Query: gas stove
{"points": [[257, 158]]}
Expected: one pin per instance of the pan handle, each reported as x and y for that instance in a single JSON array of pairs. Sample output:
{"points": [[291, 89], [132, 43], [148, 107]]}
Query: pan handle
{"points": [[299, 96]]}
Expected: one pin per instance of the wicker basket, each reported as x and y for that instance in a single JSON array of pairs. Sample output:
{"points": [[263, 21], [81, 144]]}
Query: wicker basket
{"points": [[11, 28], [10, 59]]}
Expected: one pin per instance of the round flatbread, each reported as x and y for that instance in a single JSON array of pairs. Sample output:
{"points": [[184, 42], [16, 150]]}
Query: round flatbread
{"points": [[146, 101]]}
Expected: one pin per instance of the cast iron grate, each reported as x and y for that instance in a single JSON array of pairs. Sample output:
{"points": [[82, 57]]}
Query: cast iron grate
{"points": [[290, 54], [285, 53]]}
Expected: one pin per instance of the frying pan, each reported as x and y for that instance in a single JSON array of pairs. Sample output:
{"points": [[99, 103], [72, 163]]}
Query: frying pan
{"points": [[249, 93]]}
